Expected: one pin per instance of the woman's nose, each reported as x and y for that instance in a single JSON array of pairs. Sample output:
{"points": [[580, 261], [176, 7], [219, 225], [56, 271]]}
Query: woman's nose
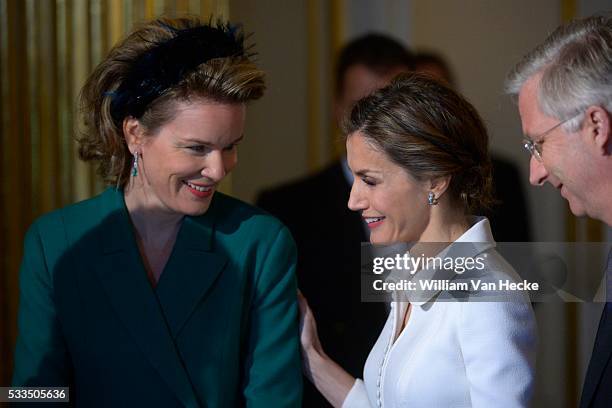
{"points": [[214, 168], [356, 200]]}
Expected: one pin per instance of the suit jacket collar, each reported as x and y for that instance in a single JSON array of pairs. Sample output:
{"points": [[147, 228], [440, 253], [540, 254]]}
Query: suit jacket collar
{"points": [[155, 317]]}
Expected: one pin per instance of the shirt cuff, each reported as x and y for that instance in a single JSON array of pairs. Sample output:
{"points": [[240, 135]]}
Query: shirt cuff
{"points": [[357, 396]]}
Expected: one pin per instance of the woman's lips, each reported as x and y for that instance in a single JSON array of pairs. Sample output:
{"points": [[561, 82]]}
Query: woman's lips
{"points": [[373, 222], [199, 190]]}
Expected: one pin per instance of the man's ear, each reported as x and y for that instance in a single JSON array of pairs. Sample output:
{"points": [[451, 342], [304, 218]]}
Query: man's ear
{"points": [[597, 129], [134, 134]]}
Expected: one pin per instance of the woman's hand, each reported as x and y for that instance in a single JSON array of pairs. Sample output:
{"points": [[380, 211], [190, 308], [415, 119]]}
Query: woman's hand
{"points": [[329, 378], [309, 338]]}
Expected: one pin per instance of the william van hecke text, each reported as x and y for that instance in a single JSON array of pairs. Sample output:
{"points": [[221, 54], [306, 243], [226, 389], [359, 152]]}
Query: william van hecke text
{"points": [[449, 285]]}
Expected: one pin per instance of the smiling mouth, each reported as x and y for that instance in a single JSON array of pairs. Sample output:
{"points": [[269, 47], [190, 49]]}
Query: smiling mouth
{"points": [[373, 220], [198, 187]]}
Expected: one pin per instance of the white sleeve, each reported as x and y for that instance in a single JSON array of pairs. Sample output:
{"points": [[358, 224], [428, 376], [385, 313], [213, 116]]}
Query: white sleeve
{"points": [[498, 342], [357, 396]]}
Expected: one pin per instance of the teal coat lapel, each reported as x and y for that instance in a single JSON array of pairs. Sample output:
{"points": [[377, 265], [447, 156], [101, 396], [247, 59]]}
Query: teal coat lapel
{"points": [[191, 270], [155, 316]]}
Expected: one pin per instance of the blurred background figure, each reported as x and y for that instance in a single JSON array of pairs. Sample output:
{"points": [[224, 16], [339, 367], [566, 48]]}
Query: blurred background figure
{"points": [[510, 201], [436, 66], [327, 233]]}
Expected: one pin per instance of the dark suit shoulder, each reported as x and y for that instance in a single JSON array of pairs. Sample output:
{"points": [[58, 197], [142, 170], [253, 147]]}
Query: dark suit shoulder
{"points": [[305, 187], [509, 216], [505, 170], [288, 201]]}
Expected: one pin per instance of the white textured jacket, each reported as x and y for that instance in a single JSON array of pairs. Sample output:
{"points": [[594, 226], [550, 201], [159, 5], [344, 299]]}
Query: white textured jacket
{"points": [[454, 354]]}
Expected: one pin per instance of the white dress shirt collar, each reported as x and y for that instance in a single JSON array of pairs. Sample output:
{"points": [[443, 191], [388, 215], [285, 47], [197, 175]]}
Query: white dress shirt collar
{"points": [[479, 234]]}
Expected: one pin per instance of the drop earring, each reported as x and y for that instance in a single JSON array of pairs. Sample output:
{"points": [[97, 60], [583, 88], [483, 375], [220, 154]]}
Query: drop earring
{"points": [[135, 165], [431, 198]]}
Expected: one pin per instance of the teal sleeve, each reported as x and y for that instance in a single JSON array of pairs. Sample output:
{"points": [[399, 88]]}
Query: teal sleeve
{"points": [[41, 357], [273, 376]]}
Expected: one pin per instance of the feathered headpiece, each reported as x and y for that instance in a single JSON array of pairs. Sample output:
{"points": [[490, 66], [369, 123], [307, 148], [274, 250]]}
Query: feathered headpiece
{"points": [[167, 63]]}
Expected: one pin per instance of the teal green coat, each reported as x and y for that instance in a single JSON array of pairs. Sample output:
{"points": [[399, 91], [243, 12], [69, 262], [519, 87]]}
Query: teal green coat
{"points": [[219, 330]]}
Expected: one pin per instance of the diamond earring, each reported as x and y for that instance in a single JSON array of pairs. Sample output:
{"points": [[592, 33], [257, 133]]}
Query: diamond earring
{"points": [[431, 198]]}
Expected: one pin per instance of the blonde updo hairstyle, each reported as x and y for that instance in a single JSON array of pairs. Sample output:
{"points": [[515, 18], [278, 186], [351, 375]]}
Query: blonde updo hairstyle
{"points": [[430, 131], [233, 79]]}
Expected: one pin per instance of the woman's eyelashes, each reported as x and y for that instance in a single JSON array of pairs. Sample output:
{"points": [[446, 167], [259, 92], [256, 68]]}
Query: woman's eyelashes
{"points": [[198, 149], [230, 147], [369, 181], [203, 149]]}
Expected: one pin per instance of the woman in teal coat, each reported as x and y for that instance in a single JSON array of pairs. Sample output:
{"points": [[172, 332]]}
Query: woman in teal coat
{"points": [[162, 292]]}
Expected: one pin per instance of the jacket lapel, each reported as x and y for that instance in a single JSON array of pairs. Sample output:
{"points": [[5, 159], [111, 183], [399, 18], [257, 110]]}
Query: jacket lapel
{"points": [[192, 269], [124, 279], [602, 350], [602, 353]]}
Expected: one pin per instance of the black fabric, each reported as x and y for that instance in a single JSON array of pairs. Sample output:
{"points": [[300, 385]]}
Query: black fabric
{"points": [[597, 389], [509, 217], [166, 63]]}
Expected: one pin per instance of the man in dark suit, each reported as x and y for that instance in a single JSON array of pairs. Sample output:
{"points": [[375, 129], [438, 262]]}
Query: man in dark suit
{"points": [[567, 122], [327, 233]]}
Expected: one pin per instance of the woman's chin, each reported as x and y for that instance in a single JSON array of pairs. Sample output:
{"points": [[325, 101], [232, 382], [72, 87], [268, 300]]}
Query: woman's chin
{"points": [[379, 239], [194, 209], [196, 212]]}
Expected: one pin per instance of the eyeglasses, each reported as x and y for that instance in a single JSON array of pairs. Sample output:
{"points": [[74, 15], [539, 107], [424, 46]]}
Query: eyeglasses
{"points": [[535, 148]]}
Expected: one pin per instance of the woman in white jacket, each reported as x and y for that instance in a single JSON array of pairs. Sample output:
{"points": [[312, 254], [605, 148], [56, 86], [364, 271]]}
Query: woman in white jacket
{"points": [[419, 154]]}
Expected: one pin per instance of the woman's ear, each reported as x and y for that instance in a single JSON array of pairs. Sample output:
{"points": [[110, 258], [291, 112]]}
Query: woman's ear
{"points": [[133, 132], [439, 185]]}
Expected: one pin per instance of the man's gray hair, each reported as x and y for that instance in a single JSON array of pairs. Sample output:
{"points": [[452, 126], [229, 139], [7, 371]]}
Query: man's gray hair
{"points": [[576, 66]]}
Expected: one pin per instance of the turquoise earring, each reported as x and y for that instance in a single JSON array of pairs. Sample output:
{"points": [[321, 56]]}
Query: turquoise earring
{"points": [[135, 165]]}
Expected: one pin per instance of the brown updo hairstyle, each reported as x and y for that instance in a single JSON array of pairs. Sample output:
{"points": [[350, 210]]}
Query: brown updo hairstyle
{"points": [[430, 131], [234, 79]]}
